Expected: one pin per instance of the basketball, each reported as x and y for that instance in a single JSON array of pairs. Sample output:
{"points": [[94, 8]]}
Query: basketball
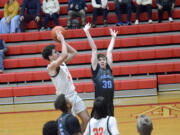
{"points": [[53, 32]]}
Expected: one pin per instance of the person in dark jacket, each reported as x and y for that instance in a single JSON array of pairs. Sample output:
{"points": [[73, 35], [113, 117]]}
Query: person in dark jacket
{"points": [[3, 49], [76, 8], [100, 7], [165, 5], [68, 124], [123, 6], [33, 13]]}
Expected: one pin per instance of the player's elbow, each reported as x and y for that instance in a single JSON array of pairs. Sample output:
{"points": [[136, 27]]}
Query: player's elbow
{"points": [[75, 53]]}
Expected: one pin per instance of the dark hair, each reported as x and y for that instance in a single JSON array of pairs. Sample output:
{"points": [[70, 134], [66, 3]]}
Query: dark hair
{"points": [[144, 125], [100, 108], [47, 51], [50, 128], [100, 55], [60, 103]]}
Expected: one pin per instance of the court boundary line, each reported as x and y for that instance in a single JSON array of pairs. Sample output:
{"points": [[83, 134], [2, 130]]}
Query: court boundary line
{"points": [[118, 106]]}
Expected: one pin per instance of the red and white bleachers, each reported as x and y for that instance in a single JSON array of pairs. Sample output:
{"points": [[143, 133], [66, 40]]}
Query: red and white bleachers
{"points": [[145, 57]]}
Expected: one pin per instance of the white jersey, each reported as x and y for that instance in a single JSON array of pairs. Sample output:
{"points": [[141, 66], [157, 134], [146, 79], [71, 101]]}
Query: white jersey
{"points": [[63, 81], [101, 126]]}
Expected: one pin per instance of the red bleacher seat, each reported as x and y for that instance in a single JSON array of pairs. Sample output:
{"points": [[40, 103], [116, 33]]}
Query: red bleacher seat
{"points": [[169, 79], [33, 36], [85, 72], [6, 92], [80, 87], [85, 58]]}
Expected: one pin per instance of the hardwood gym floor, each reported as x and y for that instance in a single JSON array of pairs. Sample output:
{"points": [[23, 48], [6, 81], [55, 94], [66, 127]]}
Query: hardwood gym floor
{"points": [[164, 111]]}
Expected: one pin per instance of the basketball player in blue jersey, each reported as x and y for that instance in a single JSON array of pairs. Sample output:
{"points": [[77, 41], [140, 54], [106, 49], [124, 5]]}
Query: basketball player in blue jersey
{"points": [[101, 67], [61, 76]]}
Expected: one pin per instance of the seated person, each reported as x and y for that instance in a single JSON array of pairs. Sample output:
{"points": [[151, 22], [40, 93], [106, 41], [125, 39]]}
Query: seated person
{"points": [[120, 6], [51, 10], [3, 49], [165, 5], [33, 13], [10, 22], [100, 7], [76, 8], [144, 5]]}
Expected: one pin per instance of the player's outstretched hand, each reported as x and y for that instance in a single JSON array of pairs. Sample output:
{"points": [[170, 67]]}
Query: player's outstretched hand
{"points": [[113, 32], [87, 27], [59, 35]]}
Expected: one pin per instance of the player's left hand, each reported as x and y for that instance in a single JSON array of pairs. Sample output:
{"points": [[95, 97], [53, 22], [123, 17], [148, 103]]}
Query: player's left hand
{"points": [[87, 27], [59, 35], [113, 32]]}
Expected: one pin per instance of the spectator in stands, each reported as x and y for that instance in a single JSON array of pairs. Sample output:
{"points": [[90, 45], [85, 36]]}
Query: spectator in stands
{"points": [[144, 125], [51, 9], [165, 5], [10, 22], [67, 123], [33, 13], [3, 49], [101, 122], [122, 6], [76, 8], [101, 68], [61, 77], [144, 5], [100, 7], [50, 128]]}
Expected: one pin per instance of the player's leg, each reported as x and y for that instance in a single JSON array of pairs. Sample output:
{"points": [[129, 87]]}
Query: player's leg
{"points": [[79, 108], [84, 116]]}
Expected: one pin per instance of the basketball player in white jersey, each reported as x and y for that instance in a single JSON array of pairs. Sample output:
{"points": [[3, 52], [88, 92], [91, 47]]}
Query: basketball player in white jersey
{"points": [[101, 123], [61, 77]]}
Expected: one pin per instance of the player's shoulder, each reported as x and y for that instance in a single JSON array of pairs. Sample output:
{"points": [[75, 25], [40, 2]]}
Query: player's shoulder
{"points": [[71, 118], [112, 119]]}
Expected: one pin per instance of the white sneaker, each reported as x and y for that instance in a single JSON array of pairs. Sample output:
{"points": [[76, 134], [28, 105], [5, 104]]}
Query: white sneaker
{"points": [[150, 21], [170, 19], [137, 22], [42, 29]]}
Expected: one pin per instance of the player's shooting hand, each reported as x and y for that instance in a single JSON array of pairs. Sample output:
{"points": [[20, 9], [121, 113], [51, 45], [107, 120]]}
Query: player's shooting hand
{"points": [[113, 32], [87, 27], [59, 35]]}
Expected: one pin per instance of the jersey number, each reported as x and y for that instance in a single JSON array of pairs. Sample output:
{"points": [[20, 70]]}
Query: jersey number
{"points": [[107, 84], [98, 131]]}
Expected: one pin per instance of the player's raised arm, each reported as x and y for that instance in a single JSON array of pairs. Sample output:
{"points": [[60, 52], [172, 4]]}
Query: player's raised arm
{"points": [[111, 46], [94, 60], [60, 57], [72, 52]]}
